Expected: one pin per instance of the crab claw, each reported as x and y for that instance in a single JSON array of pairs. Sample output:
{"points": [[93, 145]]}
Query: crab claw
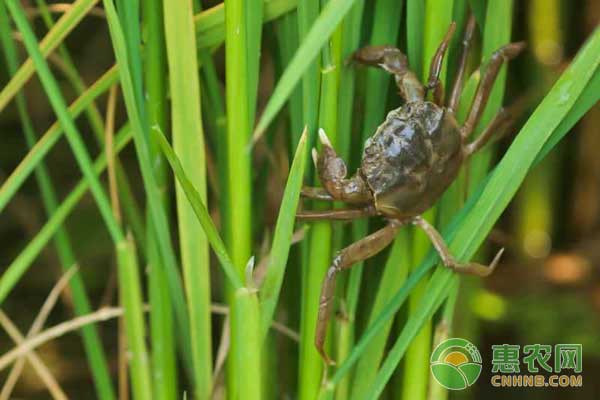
{"points": [[324, 139], [315, 157]]}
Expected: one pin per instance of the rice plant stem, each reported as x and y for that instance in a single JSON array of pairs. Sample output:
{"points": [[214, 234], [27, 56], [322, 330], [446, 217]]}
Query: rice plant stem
{"points": [[188, 143], [164, 361]]}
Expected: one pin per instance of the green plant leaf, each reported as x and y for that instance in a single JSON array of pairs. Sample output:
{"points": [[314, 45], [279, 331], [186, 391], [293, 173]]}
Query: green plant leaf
{"points": [[200, 211], [188, 143], [269, 291], [55, 36]]}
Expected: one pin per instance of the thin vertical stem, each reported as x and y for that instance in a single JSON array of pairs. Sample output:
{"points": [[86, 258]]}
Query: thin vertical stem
{"points": [[161, 320], [242, 44]]}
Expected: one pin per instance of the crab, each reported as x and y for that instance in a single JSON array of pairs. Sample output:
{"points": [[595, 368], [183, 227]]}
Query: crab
{"points": [[408, 163]]}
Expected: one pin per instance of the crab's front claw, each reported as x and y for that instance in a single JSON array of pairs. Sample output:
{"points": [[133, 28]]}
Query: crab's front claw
{"points": [[330, 166]]}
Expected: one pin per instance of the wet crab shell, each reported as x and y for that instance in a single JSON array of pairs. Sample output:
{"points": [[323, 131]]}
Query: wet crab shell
{"points": [[412, 158]]}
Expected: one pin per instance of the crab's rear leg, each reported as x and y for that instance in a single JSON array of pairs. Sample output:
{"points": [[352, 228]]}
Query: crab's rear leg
{"points": [[395, 62], [358, 251], [501, 123], [462, 66], [447, 258], [435, 69], [486, 84]]}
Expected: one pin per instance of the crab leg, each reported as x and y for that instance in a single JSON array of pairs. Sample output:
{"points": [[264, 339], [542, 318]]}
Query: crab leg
{"points": [[462, 67], [436, 68], [316, 193], [446, 256], [501, 122], [358, 251], [395, 62], [487, 82], [337, 215]]}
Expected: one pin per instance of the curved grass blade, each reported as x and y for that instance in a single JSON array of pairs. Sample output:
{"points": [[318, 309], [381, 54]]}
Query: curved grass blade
{"points": [[269, 291], [200, 211], [58, 104]]}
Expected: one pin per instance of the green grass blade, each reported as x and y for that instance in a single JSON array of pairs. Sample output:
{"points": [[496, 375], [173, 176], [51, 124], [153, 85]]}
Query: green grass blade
{"points": [[589, 97], [23, 261], [436, 290], [164, 363], [201, 212], [238, 224], [246, 342], [479, 10], [321, 30], [159, 218], [97, 124], [50, 137], [60, 108], [315, 259], [242, 42], [128, 12], [393, 277], [415, 25], [287, 40], [210, 24], [131, 298], [54, 37], [188, 143], [497, 33], [72, 74], [284, 228]]}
